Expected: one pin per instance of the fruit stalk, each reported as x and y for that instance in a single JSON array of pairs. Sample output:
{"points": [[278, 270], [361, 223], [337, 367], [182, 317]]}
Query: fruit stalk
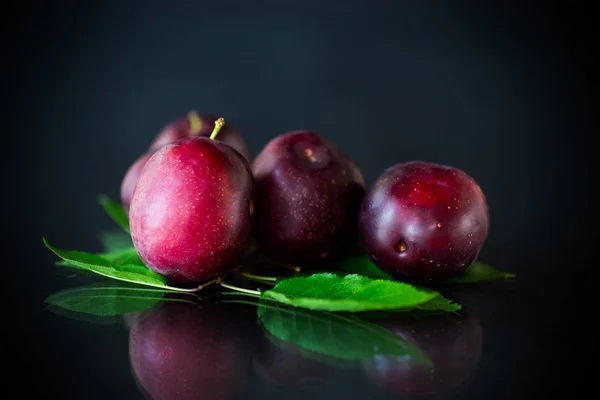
{"points": [[218, 125], [195, 123]]}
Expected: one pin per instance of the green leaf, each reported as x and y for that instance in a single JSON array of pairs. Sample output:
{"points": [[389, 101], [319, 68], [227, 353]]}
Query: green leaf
{"points": [[480, 271], [128, 256], [101, 266], [435, 306], [342, 337], [330, 292], [115, 211], [362, 265], [115, 241], [439, 303], [108, 299]]}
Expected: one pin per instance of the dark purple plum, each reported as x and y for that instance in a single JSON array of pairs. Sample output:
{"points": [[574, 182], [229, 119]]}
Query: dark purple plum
{"points": [[423, 222], [199, 125], [308, 194], [452, 342], [190, 215], [182, 350]]}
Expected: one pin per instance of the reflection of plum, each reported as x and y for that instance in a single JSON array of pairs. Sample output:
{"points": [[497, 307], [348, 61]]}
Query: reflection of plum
{"points": [[452, 342], [283, 364], [191, 351]]}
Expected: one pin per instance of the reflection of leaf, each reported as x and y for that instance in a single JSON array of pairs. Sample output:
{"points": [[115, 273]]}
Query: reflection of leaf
{"points": [[115, 240], [115, 211], [338, 336], [309, 354], [83, 317], [330, 292], [480, 271], [106, 299]]}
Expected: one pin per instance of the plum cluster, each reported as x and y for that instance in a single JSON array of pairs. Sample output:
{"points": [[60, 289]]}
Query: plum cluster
{"points": [[196, 199]]}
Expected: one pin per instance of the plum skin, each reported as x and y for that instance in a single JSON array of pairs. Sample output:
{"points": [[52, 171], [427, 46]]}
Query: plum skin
{"points": [[181, 350], [183, 128], [307, 197], [453, 342], [423, 222], [190, 215]]}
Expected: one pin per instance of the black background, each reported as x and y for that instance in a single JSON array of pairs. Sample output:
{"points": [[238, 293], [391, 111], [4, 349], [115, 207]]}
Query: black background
{"points": [[503, 91]]}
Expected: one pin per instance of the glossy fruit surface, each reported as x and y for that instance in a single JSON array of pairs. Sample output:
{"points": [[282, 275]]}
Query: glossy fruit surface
{"points": [[131, 177], [307, 198], [181, 351], [423, 222], [199, 125], [191, 210], [452, 342]]}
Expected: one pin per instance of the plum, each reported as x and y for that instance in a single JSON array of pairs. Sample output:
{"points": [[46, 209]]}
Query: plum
{"points": [[451, 341], [190, 215], [198, 125], [130, 180], [183, 350], [423, 222], [193, 125], [308, 194]]}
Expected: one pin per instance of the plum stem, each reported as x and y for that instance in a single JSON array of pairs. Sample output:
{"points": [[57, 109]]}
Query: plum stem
{"points": [[218, 125], [239, 289], [195, 123], [260, 278]]}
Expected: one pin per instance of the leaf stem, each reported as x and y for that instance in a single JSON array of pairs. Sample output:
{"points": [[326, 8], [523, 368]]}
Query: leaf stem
{"points": [[196, 289], [241, 290], [260, 278], [234, 293]]}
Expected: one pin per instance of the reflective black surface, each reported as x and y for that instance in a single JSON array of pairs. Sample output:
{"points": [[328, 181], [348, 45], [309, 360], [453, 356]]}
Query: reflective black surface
{"points": [[503, 92], [502, 344]]}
